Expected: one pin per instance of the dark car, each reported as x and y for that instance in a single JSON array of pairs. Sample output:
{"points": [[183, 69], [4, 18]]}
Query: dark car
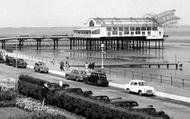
{"points": [[77, 75], [102, 98], [56, 86], [127, 104], [79, 91], [20, 63], [96, 77], [40, 67], [9, 60]]}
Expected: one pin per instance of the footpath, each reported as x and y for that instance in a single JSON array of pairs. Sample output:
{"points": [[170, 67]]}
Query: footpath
{"points": [[164, 91]]}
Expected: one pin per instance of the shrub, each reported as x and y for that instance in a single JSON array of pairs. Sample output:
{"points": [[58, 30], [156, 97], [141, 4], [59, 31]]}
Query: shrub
{"points": [[32, 80], [7, 99], [7, 95]]}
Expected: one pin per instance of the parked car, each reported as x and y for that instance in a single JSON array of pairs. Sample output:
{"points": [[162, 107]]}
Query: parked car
{"points": [[20, 63], [140, 87], [127, 104], [77, 75], [9, 60], [96, 77], [57, 86], [103, 98], [79, 91], [40, 67]]}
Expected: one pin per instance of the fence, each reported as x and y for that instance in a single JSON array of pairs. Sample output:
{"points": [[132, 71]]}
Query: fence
{"points": [[170, 80]]}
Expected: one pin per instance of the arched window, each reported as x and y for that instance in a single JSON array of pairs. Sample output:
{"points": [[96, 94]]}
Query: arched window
{"points": [[91, 24]]}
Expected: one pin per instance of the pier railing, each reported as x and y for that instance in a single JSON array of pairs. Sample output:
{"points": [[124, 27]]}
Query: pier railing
{"points": [[158, 78]]}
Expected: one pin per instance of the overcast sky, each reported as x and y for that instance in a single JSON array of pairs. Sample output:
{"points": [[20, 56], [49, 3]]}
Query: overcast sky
{"points": [[60, 13]]}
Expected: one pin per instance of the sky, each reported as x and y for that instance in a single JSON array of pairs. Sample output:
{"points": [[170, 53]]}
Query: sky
{"points": [[70, 13]]}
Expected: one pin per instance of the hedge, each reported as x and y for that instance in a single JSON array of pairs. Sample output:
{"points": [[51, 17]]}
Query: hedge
{"points": [[32, 80], [31, 90]]}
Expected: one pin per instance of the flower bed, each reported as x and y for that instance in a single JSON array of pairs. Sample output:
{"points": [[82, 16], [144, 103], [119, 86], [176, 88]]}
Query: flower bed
{"points": [[36, 106]]}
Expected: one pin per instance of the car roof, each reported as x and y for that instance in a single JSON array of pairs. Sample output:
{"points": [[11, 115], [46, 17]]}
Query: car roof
{"points": [[123, 101], [40, 62], [136, 80]]}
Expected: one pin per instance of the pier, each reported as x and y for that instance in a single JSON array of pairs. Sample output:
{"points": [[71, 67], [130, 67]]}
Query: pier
{"points": [[138, 65]]}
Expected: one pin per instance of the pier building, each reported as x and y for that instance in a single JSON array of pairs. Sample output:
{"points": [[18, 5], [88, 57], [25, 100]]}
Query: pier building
{"points": [[123, 33]]}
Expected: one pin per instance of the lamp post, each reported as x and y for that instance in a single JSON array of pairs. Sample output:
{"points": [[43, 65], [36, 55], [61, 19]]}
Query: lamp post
{"points": [[16, 54], [102, 47]]}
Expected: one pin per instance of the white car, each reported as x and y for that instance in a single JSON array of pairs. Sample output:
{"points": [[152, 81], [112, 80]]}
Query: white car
{"points": [[140, 87]]}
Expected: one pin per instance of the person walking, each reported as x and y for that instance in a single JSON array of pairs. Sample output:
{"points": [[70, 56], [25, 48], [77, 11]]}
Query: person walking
{"points": [[86, 65], [61, 65]]}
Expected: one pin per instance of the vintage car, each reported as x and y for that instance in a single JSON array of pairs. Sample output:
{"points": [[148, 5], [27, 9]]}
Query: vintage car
{"points": [[140, 87], [96, 77], [77, 75], [9, 60], [127, 104], [41, 67], [20, 63]]}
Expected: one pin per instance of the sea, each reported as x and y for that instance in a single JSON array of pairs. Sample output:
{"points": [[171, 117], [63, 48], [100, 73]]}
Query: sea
{"points": [[176, 50]]}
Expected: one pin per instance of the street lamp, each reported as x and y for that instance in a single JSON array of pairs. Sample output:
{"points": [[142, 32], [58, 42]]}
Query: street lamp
{"points": [[102, 47], [16, 54]]}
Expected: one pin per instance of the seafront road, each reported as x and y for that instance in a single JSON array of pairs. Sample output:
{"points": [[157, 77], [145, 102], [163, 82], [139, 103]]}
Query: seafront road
{"points": [[173, 108]]}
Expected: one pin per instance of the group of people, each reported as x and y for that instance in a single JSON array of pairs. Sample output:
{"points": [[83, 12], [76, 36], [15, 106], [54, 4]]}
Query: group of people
{"points": [[90, 65], [64, 65]]}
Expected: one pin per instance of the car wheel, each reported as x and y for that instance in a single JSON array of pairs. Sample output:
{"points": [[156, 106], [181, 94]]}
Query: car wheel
{"points": [[140, 92], [127, 90]]}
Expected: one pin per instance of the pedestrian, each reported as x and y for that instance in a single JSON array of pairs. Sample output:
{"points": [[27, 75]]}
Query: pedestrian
{"points": [[67, 65], [61, 65], [92, 65], [86, 65], [45, 90]]}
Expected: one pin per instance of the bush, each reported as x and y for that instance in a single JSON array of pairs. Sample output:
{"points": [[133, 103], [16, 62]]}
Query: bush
{"points": [[7, 99], [30, 89], [32, 80], [7, 95]]}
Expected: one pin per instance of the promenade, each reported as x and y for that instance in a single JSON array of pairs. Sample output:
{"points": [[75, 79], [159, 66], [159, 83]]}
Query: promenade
{"points": [[162, 90]]}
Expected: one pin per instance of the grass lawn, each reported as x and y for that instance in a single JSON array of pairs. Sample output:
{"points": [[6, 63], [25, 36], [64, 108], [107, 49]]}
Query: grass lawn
{"points": [[7, 112]]}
